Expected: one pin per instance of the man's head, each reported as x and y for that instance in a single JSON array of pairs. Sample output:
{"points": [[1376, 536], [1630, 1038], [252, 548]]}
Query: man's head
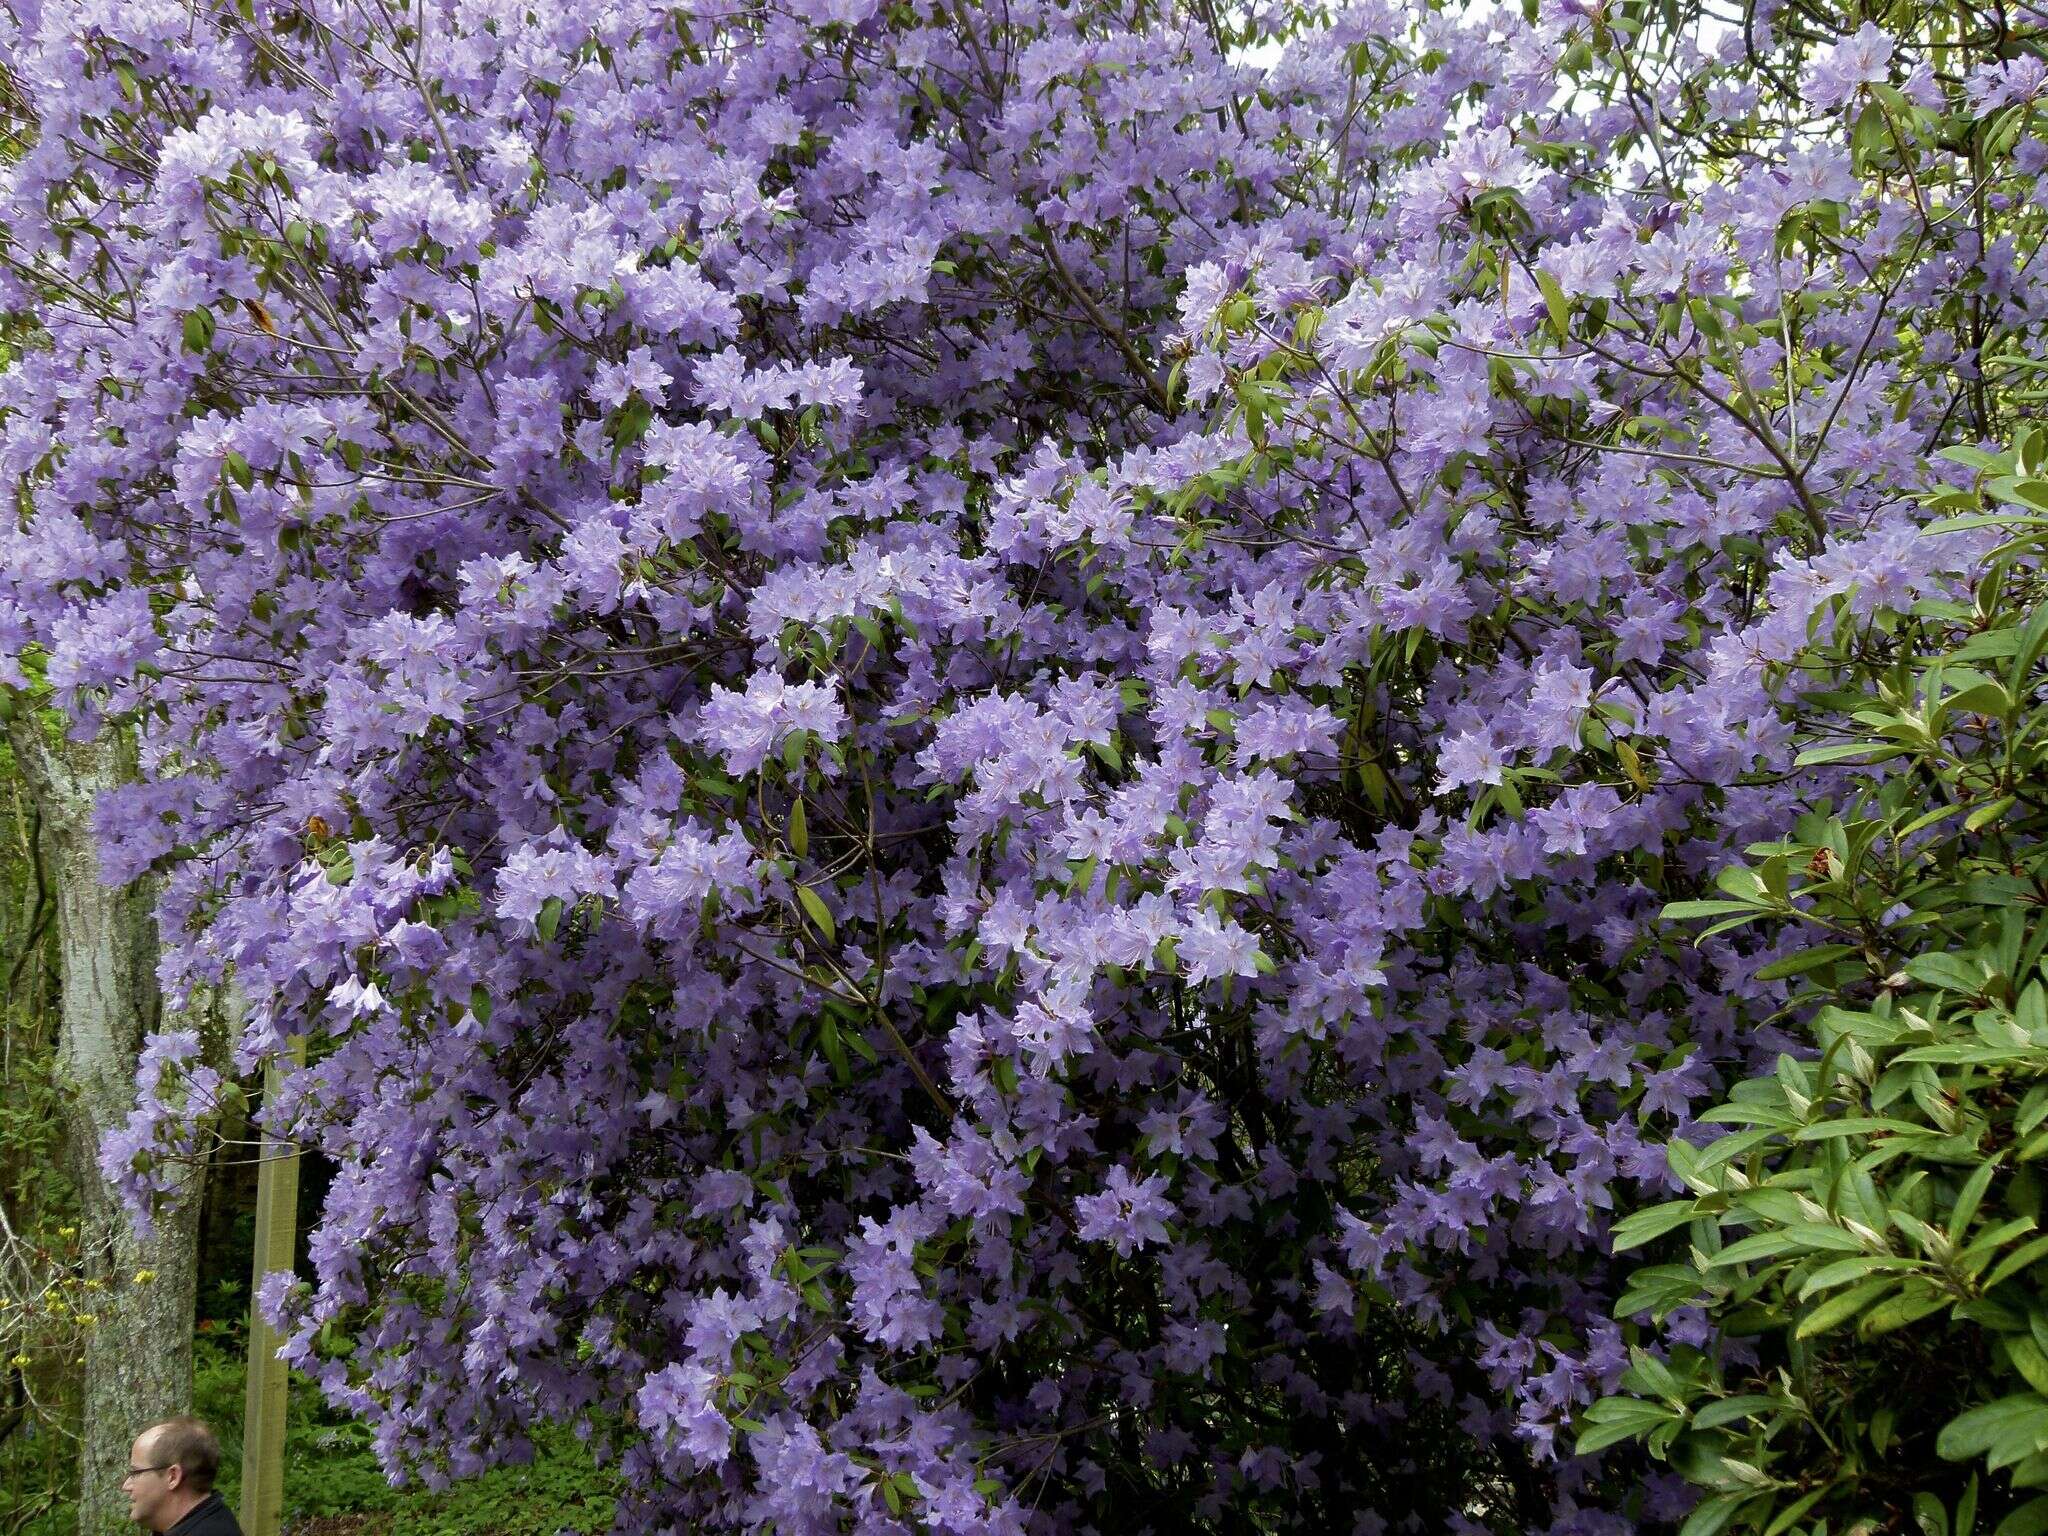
{"points": [[170, 1470]]}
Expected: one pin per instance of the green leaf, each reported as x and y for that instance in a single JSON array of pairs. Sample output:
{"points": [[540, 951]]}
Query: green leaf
{"points": [[1992, 1238], [1649, 1375], [1729, 1409], [1660, 1290], [1946, 972], [2030, 643], [1790, 1515], [835, 1048], [1683, 1159], [2030, 1519], [1765, 1245], [1975, 1432], [799, 829], [1860, 1125], [814, 908], [1744, 884], [1679, 911], [1711, 1516], [1987, 813], [1986, 698], [549, 919], [1614, 1419], [1958, 1054], [2029, 1361], [2030, 1471], [1983, 520], [630, 423], [1861, 751], [1554, 301], [1967, 1200], [1992, 645], [2026, 493], [199, 326], [1907, 1307], [1805, 1236], [1966, 1509], [1634, 1230], [1828, 1276], [1971, 458], [1838, 1309], [2019, 1259], [1806, 960]]}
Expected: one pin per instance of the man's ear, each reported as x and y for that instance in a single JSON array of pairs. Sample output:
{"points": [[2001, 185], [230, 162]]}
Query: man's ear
{"points": [[174, 1477]]}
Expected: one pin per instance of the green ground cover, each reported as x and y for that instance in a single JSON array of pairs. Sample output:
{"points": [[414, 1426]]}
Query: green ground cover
{"points": [[332, 1486]]}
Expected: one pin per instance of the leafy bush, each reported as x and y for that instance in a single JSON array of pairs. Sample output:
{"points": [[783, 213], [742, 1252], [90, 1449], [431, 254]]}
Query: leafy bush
{"points": [[1869, 1238], [960, 727]]}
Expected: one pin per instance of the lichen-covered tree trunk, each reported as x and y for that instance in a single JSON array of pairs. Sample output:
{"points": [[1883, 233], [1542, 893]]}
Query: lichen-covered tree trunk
{"points": [[138, 1355]]}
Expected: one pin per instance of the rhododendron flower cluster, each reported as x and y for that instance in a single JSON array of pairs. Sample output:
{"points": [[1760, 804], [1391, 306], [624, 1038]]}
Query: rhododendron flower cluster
{"points": [[957, 727]]}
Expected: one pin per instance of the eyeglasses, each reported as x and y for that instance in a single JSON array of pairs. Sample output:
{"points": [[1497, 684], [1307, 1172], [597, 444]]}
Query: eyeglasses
{"points": [[164, 1466]]}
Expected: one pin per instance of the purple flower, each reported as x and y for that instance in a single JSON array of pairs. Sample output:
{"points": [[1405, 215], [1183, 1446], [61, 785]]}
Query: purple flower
{"points": [[676, 1405], [1128, 1213], [1838, 71], [1559, 696], [1097, 512], [1580, 812], [1210, 948], [1470, 757], [745, 728]]}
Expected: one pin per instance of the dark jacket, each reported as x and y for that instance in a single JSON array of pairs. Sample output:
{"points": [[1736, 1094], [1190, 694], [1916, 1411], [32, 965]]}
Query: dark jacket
{"points": [[210, 1517]]}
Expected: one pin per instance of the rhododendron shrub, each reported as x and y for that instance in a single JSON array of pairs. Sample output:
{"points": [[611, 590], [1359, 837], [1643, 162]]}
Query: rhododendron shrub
{"points": [[959, 727]]}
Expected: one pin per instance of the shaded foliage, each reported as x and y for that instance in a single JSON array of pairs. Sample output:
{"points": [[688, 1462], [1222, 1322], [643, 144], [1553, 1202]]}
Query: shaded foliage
{"points": [[1868, 1233]]}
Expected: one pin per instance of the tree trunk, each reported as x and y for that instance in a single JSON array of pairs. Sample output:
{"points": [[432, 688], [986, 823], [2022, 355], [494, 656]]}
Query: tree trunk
{"points": [[138, 1355]]}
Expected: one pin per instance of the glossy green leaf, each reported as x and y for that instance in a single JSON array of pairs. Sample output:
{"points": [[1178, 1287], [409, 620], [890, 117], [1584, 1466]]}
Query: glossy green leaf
{"points": [[1840, 1308], [2030, 1519], [1974, 1432], [815, 909], [1729, 1410], [1615, 1419], [1642, 1226]]}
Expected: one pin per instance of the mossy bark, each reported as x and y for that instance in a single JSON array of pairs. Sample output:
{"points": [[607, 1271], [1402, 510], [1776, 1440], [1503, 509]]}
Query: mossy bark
{"points": [[138, 1352]]}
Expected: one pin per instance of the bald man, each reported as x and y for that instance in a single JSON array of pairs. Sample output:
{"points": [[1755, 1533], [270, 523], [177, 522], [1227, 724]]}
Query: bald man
{"points": [[170, 1481]]}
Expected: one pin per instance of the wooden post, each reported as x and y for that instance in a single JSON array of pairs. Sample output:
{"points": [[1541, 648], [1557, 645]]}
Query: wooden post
{"points": [[277, 1209]]}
